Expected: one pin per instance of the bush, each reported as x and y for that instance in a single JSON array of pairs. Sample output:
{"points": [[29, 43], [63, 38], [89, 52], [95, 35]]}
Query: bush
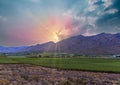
{"points": [[4, 82]]}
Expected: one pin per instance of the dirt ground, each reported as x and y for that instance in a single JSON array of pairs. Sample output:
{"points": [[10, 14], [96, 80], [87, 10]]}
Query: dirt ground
{"points": [[25, 74]]}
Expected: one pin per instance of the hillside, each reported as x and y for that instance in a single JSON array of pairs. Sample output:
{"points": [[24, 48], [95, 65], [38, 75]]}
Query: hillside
{"points": [[103, 43], [99, 44]]}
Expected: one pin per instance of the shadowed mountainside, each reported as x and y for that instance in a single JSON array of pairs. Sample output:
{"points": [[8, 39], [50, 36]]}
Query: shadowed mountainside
{"points": [[103, 43]]}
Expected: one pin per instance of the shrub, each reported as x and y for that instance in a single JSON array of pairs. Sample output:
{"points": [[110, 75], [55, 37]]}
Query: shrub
{"points": [[4, 82]]}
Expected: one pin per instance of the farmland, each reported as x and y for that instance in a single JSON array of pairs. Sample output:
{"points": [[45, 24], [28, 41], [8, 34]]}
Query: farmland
{"points": [[59, 71], [78, 63]]}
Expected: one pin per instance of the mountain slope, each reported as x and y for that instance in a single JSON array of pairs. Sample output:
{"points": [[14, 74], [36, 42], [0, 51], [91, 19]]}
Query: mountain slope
{"points": [[11, 49], [103, 43], [99, 44], [45, 47]]}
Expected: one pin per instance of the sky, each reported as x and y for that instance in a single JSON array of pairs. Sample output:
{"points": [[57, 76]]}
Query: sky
{"points": [[30, 22]]}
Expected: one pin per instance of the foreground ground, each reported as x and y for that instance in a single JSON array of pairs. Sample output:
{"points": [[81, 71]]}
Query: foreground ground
{"points": [[25, 74]]}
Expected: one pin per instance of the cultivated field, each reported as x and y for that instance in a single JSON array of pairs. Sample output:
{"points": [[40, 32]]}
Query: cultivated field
{"points": [[80, 63]]}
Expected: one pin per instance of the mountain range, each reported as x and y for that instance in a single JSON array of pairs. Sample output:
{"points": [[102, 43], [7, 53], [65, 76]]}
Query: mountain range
{"points": [[12, 49], [103, 43]]}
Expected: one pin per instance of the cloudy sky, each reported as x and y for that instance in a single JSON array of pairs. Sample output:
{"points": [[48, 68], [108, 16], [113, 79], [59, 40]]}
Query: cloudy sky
{"points": [[29, 22]]}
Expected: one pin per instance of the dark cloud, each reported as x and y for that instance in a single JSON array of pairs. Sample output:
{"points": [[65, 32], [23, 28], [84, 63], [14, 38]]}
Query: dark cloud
{"points": [[99, 2], [110, 22]]}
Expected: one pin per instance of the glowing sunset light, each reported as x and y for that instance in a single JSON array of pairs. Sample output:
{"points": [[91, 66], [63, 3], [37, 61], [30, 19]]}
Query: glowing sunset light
{"points": [[56, 38], [29, 22], [55, 29]]}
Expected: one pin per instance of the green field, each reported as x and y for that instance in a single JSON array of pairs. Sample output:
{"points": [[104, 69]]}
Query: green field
{"points": [[81, 63]]}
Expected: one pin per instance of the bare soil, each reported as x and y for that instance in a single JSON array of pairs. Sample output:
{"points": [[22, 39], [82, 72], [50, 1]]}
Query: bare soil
{"points": [[25, 74]]}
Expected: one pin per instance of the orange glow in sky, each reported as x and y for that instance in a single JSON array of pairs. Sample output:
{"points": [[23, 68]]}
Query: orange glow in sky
{"points": [[54, 29], [51, 29]]}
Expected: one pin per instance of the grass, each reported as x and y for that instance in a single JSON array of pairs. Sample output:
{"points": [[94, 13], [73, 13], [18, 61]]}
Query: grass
{"points": [[82, 63]]}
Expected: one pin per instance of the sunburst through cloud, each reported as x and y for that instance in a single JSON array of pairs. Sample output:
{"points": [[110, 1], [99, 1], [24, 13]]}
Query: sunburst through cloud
{"points": [[29, 22]]}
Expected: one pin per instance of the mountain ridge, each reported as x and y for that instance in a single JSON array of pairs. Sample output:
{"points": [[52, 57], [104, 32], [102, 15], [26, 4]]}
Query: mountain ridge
{"points": [[103, 43]]}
